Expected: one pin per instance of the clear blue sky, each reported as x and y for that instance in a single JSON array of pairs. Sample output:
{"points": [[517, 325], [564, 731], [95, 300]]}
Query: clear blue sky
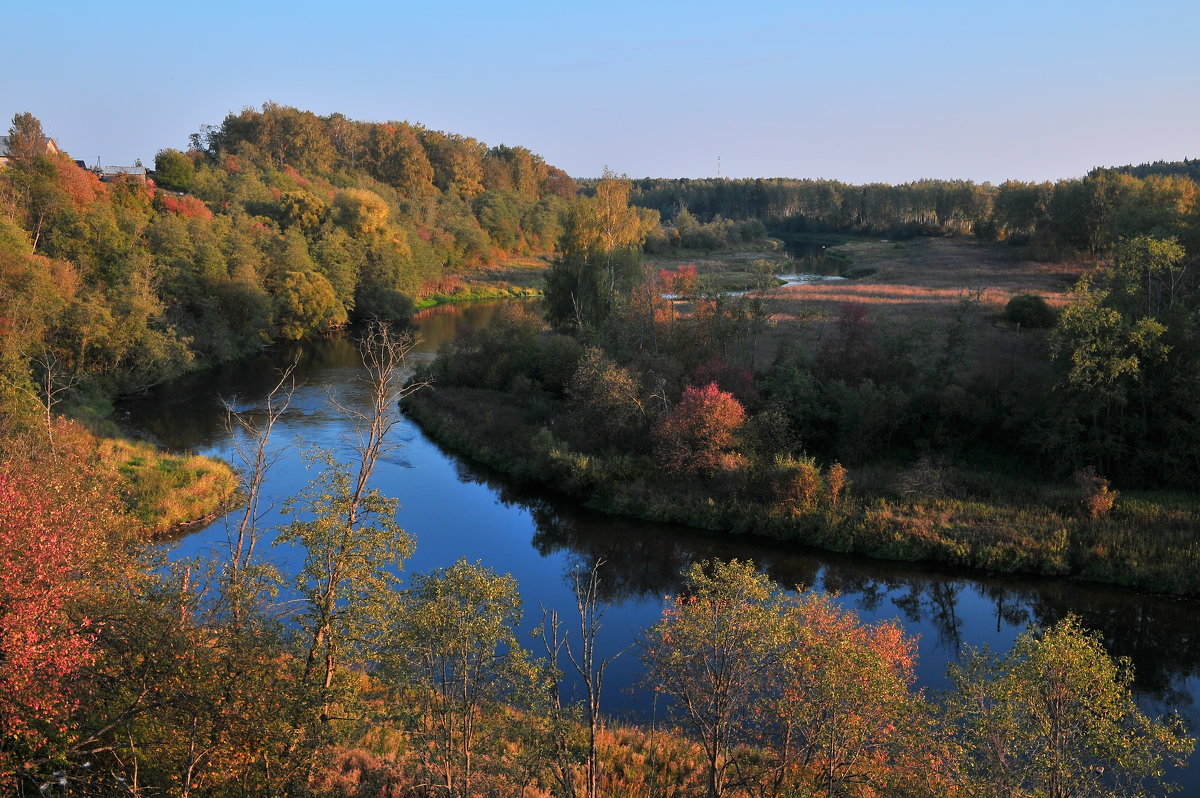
{"points": [[858, 91]]}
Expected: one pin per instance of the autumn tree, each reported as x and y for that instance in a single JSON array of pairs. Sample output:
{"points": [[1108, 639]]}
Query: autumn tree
{"points": [[711, 651], [1055, 717], [840, 714], [44, 537], [361, 211], [395, 156], [305, 304], [599, 261], [606, 401], [697, 436]]}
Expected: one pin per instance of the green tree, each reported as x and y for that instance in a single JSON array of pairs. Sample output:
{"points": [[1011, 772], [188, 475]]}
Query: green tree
{"points": [[600, 258], [26, 141], [456, 641], [302, 209], [1030, 311], [305, 303], [606, 402], [174, 170], [1113, 344], [353, 547], [1055, 717]]}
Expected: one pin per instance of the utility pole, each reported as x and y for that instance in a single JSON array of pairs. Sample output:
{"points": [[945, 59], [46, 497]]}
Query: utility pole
{"points": [[718, 167]]}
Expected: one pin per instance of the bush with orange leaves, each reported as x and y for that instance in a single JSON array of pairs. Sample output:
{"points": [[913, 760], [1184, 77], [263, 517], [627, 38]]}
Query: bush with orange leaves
{"points": [[697, 436], [55, 511]]}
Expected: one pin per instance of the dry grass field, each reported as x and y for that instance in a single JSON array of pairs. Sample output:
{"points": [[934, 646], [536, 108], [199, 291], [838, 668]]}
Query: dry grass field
{"points": [[918, 286]]}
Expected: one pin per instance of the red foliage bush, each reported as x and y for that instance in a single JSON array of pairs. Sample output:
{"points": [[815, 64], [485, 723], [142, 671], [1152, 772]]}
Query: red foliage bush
{"points": [[188, 206], [697, 436], [45, 537]]}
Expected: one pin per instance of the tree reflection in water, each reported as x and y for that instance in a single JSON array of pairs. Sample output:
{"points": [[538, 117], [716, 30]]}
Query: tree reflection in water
{"points": [[644, 562]]}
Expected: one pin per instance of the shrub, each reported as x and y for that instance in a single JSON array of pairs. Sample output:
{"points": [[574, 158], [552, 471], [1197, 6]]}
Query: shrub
{"points": [[1098, 495], [1030, 310], [696, 436]]}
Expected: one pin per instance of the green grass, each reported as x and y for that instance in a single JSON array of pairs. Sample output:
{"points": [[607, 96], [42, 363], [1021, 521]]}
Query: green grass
{"points": [[166, 492], [516, 279]]}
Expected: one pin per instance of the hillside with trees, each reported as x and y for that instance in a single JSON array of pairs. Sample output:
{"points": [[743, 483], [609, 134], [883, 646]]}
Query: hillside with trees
{"points": [[275, 224]]}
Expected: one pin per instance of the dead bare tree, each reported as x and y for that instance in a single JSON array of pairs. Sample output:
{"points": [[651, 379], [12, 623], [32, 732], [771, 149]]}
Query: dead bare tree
{"points": [[52, 381], [584, 657], [251, 437]]}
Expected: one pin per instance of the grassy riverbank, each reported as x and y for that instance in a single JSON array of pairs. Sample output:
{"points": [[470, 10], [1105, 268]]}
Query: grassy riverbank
{"points": [[161, 493], [516, 278], [168, 492], [985, 520]]}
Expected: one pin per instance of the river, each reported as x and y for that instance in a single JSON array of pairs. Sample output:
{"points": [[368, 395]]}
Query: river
{"points": [[455, 509]]}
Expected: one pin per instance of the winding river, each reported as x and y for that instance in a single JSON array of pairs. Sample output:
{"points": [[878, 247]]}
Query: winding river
{"points": [[455, 509]]}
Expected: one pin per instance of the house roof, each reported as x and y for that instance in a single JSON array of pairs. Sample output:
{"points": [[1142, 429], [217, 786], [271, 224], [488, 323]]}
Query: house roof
{"points": [[117, 171], [4, 145]]}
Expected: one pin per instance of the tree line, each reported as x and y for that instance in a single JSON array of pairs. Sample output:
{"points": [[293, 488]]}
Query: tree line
{"points": [[1062, 219]]}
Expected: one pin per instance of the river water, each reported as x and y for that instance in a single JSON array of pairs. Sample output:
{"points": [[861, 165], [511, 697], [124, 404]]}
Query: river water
{"points": [[455, 509]]}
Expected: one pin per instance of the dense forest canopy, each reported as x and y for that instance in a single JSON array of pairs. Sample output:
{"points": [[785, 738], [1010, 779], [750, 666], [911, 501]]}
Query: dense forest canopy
{"points": [[1188, 167], [1061, 219]]}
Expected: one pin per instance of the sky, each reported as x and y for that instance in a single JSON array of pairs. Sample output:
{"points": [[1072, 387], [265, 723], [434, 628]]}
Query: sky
{"points": [[855, 91]]}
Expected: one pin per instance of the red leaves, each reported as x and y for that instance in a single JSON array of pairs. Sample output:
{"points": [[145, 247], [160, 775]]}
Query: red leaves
{"points": [[696, 437], [43, 537], [188, 207], [681, 281]]}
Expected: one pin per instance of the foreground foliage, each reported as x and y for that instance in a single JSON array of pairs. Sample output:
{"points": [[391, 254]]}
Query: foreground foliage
{"points": [[122, 675]]}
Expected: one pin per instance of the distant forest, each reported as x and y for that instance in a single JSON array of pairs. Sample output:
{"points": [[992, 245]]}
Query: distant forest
{"points": [[1065, 219], [1188, 167]]}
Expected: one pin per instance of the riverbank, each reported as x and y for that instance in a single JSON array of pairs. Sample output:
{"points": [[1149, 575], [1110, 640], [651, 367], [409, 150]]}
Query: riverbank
{"points": [[169, 494], [515, 278], [986, 521], [160, 493]]}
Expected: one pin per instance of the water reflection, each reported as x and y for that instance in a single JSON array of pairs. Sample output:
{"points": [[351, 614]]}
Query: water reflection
{"points": [[457, 509], [644, 562]]}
